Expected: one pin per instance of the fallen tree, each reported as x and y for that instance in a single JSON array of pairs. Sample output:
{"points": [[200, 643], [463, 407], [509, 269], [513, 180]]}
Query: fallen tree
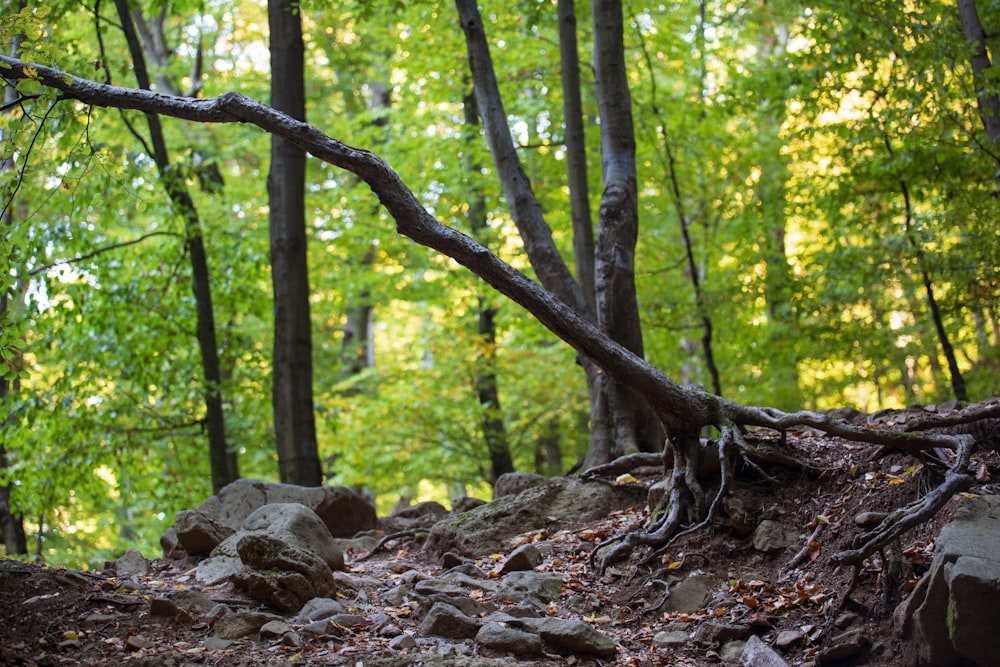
{"points": [[684, 411]]}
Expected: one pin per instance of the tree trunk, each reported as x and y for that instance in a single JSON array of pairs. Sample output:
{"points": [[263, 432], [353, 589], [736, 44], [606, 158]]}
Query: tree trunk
{"points": [[618, 228], [986, 96], [14, 538], [615, 425], [770, 190], [487, 386], [222, 461], [576, 153], [292, 391]]}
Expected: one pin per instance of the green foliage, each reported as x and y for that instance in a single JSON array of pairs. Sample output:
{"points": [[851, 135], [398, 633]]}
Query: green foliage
{"points": [[823, 159]]}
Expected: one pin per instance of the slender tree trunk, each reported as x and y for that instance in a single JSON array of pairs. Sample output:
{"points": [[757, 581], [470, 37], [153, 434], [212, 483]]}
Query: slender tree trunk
{"points": [[223, 462], [292, 390], [770, 191], [486, 383], [986, 96], [576, 153], [14, 538]]}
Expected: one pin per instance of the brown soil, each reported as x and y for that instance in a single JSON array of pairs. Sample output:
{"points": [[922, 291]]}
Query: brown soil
{"points": [[52, 616]]}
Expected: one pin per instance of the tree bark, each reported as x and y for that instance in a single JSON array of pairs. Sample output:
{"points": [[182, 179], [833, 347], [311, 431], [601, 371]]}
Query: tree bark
{"points": [[576, 153], [632, 425], [14, 538], [616, 426], [486, 382], [292, 390], [987, 98], [222, 461]]}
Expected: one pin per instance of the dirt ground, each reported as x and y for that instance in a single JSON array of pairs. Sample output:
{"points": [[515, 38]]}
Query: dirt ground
{"points": [[51, 616]]}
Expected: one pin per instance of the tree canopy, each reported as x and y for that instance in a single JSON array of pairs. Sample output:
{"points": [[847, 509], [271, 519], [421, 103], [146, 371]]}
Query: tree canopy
{"points": [[817, 228]]}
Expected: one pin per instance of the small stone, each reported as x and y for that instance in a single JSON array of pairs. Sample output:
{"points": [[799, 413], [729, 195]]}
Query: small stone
{"points": [[713, 632], [500, 638], [217, 643], [444, 620], [788, 638], [450, 559], [319, 608], [772, 537], [131, 564], [274, 629], [525, 557], [403, 642], [758, 654], [390, 630], [846, 619], [671, 638], [842, 647], [137, 643]]}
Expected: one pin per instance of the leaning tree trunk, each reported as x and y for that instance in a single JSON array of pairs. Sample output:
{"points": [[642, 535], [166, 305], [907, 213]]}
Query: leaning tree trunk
{"points": [[292, 388], [222, 461]]}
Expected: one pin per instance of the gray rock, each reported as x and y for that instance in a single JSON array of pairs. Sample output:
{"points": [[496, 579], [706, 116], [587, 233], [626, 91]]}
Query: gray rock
{"points": [[531, 586], [192, 601], [403, 642], [217, 643], [131, 564], [292, 523], [503, 639], [525, 557], [466, 503], [690, 594], [869, 519], [464, 603], [732, 650], [484, 530], [163, 608], [344, 511], [444, 620], [573, 636], [198, 533], [513, 483], [842, 647], [671, 638], [758, 654], [281, 574], [714, 632], [274, 629], [772, 537], [788, 638], [950, 616], [318, 609], [242, 624]]}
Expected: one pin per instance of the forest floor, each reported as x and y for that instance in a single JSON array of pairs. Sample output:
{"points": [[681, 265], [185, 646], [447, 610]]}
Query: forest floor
{"points": [[51, 616]]}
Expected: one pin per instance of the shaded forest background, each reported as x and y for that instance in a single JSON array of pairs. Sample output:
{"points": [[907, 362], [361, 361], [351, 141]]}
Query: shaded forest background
{"points": [[817, 201]]}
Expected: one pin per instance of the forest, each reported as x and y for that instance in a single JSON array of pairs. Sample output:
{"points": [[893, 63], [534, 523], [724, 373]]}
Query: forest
{"points": [[785, 204]]}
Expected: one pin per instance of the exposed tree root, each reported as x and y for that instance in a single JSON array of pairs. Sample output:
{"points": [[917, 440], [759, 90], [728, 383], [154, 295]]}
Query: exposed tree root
{"points": [[685, 503]]}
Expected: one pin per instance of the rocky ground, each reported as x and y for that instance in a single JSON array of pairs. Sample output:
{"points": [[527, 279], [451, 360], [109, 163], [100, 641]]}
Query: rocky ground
{"points": [[537, 600]]}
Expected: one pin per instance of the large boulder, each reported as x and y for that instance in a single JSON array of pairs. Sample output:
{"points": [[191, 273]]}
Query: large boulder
{"points": [[484, 530], [293, 524], [344, 511], [950, 617]]}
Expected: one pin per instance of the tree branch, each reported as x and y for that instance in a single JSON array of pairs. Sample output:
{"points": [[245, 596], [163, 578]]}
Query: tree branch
{"points": [[99, 251]]}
